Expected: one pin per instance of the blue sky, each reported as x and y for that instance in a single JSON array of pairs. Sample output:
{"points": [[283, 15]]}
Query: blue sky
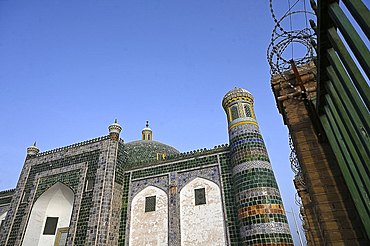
{"points": [[69, 68]]}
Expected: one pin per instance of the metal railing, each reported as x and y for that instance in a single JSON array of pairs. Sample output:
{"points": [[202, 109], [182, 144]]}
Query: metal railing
{"points": [[343, 95]]}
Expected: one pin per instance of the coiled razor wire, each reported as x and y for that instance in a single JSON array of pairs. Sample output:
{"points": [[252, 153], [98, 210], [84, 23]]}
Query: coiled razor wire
{"points": [[281, 39], [294, 163]]}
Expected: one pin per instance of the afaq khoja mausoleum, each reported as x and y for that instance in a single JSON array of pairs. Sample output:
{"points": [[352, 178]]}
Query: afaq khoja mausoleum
{"points": [[107, 192]]}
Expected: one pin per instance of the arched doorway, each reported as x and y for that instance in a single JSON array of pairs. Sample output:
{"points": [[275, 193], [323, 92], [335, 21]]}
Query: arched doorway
{"points": [[201, 215], [149, 218], [50, 215]]}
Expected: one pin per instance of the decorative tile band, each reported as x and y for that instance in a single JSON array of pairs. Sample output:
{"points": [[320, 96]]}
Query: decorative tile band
{"points": [[254, 192], [241, 129], [263, 228], [263, 218], [246, 140], [242, 123], [251, 164], [261, 209]]}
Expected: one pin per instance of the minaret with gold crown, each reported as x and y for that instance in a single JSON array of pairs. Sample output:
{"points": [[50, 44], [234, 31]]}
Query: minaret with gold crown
{"points": [[261, 215], [147, 132]]}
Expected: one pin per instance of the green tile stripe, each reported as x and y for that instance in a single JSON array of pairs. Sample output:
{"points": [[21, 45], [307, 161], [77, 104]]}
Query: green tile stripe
{"points": [[170, 158], [263, 218], [250, 146], [261, 200], [252, 178], [5, 200], [173, 167], [86, 202], [231, 210], [122, 227]]}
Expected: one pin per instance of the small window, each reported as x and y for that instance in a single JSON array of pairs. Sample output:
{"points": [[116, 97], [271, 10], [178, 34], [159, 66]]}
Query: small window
{"points": [[150, 204], [62, 236], [160, 156], [89, 185], [50, 225], [248, 111], [234, 112], [200, 196]]}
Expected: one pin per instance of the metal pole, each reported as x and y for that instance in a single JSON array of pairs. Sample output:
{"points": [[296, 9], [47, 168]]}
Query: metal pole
{"points": [[296, 224]]}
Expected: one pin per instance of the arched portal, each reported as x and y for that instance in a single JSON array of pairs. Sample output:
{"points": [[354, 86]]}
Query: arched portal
{"points": [[2, 219], [51, 211], [201, 216], [149, 218]]}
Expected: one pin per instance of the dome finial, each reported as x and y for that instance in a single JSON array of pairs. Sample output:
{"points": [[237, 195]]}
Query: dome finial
{"points": [[114, 130], [146, 132], [32, 150]]}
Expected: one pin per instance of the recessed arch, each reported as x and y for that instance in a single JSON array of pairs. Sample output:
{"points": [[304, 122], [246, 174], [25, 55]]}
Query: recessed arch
{"points": [[202, 221], [149, 222], [56, 202], [2, 218]]}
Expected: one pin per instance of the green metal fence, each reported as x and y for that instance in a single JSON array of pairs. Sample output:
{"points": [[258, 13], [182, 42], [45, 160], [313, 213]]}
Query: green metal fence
{"points": [[343, 95]]}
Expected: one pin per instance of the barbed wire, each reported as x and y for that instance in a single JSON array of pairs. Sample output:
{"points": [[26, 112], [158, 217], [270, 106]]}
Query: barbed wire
{"points": [[281, 40]]}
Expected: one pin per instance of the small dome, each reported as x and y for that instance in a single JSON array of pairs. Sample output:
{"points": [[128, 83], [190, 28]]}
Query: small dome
{"points": [[146, 132], [145, 150], [115, 127], [33, 150], [147, 126], [234, 94]]}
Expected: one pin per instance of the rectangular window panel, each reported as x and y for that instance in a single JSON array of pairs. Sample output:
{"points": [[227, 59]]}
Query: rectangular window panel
{"points": [[234, 112], [90, 185], [200, 196], [50, 225], [62, 237], [248, 111], [160, 156], [150, 203]]}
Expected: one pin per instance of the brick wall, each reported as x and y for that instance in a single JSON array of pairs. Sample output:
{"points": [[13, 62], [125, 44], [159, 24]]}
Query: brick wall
{"points": [[330, 217]]}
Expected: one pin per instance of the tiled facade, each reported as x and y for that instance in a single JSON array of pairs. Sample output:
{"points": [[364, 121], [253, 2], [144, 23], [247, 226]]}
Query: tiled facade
{"points": [[261, 215], [328, 211], [105, 174]]}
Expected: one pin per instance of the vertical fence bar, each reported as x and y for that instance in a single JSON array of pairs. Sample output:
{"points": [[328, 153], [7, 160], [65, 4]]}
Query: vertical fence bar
{"points": [[349, 33], [351, 67], [360, 13]]}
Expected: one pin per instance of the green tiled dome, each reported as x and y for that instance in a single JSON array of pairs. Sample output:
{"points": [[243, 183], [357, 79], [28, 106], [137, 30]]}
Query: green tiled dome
{"points": [[144, 150]]}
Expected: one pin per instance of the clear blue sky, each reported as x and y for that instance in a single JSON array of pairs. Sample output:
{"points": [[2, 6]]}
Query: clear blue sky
{"points": [[69, 68]]}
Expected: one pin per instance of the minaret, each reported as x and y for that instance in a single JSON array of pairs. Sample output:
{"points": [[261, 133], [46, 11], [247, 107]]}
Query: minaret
{"points": [[114, 131], [147, 132], [261, 215], [32, 151]]}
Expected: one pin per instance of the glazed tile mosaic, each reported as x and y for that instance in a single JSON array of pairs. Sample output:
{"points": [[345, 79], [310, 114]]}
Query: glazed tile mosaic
{"points": [[251, 164], [265, 228], [148, 193], [257, 194]]}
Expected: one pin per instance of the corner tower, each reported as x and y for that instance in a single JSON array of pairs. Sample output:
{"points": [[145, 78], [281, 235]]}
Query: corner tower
{"points": [[261, 215]]}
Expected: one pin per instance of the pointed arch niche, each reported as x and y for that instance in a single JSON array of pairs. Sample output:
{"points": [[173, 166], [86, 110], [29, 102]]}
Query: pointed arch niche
{"points": [[56, 202], [149, 218], [201, 216]]}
